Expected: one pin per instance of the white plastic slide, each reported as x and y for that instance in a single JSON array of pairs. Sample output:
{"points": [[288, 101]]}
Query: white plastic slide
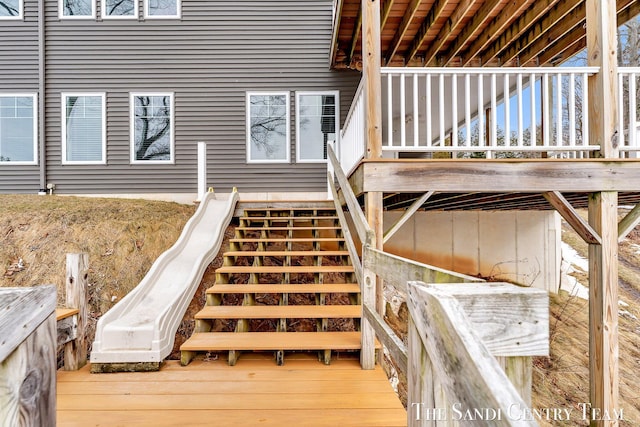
{"points": [[142, 326]]}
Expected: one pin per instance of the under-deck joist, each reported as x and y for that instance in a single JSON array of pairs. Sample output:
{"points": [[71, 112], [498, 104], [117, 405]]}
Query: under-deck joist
{"points": [[588, 175]]}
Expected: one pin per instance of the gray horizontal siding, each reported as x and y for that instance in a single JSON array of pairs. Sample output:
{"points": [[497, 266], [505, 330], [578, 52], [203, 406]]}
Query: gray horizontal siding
{"points": [[19, 74], [209, 59]]}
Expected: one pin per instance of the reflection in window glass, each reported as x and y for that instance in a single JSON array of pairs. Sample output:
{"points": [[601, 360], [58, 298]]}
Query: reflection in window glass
{"points": [[10, 9], [123, 8], [17, 129], [268, 124], [160, 8], [316, 118], [152, 127], [77, 8]]}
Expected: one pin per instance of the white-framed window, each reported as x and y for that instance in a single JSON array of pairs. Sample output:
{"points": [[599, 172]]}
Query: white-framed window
{"points": [[162, 9], [268, 127], [317, 115], [119, 9], [152, 117], [77, 9], [11, 9], [84, 128], [18, 129]]}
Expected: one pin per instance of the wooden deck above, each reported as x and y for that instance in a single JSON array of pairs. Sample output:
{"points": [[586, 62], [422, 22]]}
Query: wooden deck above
{"points": [[254, 392]]}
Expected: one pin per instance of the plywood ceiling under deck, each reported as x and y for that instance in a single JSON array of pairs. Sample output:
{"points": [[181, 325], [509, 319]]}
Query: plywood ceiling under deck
{"points": [[468, 32]]}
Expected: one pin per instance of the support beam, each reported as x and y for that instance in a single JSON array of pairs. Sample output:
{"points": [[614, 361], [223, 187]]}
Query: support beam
{"points": [[576, 40], [558, 30], [628, 223], [436, 10], [496, 27], [408, 16], [354, 37], [523, 23], [570, 215], [498, 176], [386, 11], [407, 215], [451, 25], [603, 309], [564, 14], [603, 212], [471, 28]]}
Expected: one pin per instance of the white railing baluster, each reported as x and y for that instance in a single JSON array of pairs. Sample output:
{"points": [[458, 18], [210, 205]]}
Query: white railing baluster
{"points": [[454, 110], [520, 111], [572, 111], [494, 112], [402, 121], [467, 109], [546, 127], [621, 133], [507, 111], [632, 110], [585, 110], [441, 108], [428, 109], [480, 111], [416, 115], [390, 110], [534, 119], [559, 111]]}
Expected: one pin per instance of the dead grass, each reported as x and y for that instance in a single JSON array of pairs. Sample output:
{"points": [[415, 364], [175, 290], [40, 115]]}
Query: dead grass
{"points": [[122, 237], [562, 379]]}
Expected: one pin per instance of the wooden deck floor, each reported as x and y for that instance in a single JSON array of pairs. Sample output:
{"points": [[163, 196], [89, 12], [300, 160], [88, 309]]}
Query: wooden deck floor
{"points": [[254, 392]]}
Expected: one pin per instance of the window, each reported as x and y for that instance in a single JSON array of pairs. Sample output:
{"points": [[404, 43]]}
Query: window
{"points": [[162, 8], [268, 127], [77, 9], [18, 129], [10, 9], [152, 128], [119, 9], [316, 117], [83, 128]]}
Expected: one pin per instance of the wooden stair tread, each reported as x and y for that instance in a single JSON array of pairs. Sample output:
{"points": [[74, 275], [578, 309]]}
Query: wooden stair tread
{"points": [[327, 288], [286, 218], [284, 253], [63, 313], [285, 239], [263, 341], [279, 312], [289, 228], [286, 269]]}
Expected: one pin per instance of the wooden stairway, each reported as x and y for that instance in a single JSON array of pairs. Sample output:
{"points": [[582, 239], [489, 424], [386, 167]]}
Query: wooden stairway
{"points": [[287, 284]]}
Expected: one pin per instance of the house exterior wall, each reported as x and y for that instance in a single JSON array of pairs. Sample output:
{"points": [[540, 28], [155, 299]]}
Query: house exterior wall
{"points": [[520, 247], [209, 59]]}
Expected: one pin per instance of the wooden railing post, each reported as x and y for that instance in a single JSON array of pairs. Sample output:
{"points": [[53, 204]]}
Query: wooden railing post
{"points": [[75, 352], [368, 335], [27, 356]]}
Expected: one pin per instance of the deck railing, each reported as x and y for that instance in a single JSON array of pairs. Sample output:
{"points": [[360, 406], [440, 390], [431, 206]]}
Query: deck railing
{"points": [[444, 360], [628, 89], [487, 111], [352, 136]]}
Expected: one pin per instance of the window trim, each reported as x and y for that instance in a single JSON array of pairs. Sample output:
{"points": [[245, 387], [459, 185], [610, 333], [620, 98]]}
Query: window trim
{"points": [[287, 95], [103, 8], [335, 93], [178, 14], [132, 129], [18, 17], [63, 129], [61, 14], [33, 96]]}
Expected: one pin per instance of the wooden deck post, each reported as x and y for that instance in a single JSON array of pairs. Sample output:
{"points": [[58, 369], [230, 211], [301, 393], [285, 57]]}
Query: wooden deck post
{"points": [[371, 63], [75, 352], [603, 258]]}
